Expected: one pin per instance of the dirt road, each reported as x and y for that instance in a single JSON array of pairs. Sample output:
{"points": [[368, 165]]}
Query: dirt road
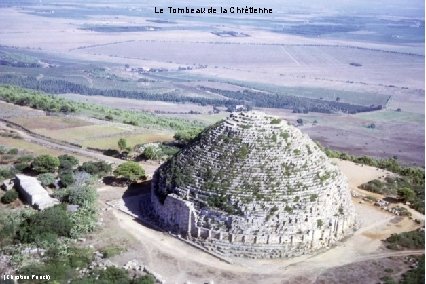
{"points": [[68, 148], [178, 262]]}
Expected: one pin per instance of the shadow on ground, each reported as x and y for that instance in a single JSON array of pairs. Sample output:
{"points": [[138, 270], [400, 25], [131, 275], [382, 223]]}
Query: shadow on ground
{"points": [[139, 188], [136, 200]]}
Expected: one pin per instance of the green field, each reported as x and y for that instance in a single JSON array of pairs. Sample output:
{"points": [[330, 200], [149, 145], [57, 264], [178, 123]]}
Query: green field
{"points": [[389, 115]]}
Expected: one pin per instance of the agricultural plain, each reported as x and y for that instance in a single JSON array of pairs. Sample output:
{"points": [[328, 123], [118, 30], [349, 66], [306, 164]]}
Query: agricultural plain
{"points": [[353, 80], [176, 63]]}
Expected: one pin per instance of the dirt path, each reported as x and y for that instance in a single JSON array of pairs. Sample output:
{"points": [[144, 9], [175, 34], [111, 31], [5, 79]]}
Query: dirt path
{"points": [[58, 145], [178, 262]]}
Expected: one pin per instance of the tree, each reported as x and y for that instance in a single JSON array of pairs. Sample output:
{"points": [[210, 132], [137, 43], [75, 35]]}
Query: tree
{"points": [[122, 144], [131, 171], [45, 164], [407, 193]]}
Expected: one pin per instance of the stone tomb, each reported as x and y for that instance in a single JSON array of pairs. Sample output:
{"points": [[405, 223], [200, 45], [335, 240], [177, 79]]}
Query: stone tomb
{"points": [[253, 186]]}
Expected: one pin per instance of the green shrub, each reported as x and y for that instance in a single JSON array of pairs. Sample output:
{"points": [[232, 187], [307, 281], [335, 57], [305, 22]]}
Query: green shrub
{"points": [[21, 167], [13, 151], [9, 225], [406, 240], [46, 225], [7, 173], [186, 136], [151, 153], [131, 122], [23, 163], [168, 150], [59, 265], [146, 279], [131, 171], [411, 177], [45, 164], [83, 221], [415, 275], [111, 251], [243, 152], [66, 178], [288, 209], [122, 144], [113, 275], [100, 168], [407, 194], [84, 196], [9, 196], [387, 280], [47, 179], [3, 149], [67, 162], [62, 194]]}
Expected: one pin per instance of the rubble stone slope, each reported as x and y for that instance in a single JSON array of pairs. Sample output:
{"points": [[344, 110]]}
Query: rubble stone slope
{"points": [[253, 186]]}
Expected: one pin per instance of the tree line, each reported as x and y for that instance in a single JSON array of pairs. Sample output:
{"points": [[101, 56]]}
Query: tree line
{"points": [[231, 98], [297, 104], [56, 86]]}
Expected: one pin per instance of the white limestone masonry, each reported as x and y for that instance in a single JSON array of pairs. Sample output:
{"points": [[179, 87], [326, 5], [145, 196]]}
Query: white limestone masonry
{"points": [[253, 186]]}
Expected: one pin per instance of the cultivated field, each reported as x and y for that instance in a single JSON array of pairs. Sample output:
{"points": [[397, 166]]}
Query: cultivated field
{"points": [[33, 148], [13, 111], [91, 132], [399, 134], [357, 66]]}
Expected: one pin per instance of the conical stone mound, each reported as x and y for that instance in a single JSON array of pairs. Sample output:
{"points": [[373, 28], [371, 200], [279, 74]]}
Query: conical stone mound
{"points": [[253, 186]]}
